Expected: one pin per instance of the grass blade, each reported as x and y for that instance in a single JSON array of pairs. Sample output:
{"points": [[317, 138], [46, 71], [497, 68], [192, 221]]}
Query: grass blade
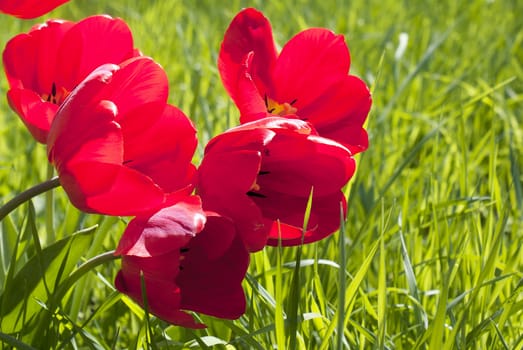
{"points": [[341, 275], [350, 294], [279, 315]]}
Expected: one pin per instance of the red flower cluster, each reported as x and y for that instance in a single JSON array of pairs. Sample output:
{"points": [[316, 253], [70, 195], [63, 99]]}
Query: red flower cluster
{"points": [[120, 149]]}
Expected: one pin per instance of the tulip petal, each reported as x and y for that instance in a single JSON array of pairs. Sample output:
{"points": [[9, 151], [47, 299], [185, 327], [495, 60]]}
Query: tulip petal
{"points": [[323, 221], [234, 171], [82, 48], [162, 294], [114, 190], [37, 116], [353, 137], [164, 150], [247, 95], [100, 140], [139, 89], [224, 179], [309, 64], [248, 32], [167, 230], [212, 284], [80, 116], [17, 50], [340, 112], [296, 163], [289, 124], [27, 9], [247, 217], [42, 41]]}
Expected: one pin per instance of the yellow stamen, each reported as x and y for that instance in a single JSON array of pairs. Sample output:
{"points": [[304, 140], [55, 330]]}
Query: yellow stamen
{"points": [[281, 109], [56, 97]]}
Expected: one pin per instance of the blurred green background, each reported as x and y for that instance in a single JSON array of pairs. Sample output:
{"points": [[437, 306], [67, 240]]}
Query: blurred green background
{"points": [[431, 251]]}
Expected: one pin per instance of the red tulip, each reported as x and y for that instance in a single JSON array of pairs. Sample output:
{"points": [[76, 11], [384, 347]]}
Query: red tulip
{"points": [[263, 172], [28, 8], [44, 65], [308, 78], [118, 147], [185, 266]]}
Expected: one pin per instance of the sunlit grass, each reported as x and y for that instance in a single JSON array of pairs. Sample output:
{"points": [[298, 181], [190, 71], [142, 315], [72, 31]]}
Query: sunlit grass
{"points": [[431, 257]]}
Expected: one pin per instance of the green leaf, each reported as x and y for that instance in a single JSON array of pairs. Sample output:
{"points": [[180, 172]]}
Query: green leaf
{"points": [[15, 343], [9, 243], [208, 340], [28, 284]]}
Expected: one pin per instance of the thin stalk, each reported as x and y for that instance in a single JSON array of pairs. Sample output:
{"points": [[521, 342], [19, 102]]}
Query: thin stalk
{"points": [[279, 316], [84, 268], [295, 283], [342, 283], [49, 205], [27, 195]]}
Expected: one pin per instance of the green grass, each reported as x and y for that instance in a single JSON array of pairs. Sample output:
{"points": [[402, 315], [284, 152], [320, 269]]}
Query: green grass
{"points": [[430, 254]]}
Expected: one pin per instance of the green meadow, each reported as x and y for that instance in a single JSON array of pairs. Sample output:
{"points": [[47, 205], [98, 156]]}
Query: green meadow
{"points": [[430, 254]]}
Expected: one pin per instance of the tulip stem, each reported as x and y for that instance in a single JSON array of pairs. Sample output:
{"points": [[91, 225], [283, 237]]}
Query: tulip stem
{"points": [[85, 268], [27, 195]]}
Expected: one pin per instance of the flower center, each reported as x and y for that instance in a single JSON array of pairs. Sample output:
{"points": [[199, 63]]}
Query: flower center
{"points": [[182, 257], [57, 96], [281, 109], [254, 191]]}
